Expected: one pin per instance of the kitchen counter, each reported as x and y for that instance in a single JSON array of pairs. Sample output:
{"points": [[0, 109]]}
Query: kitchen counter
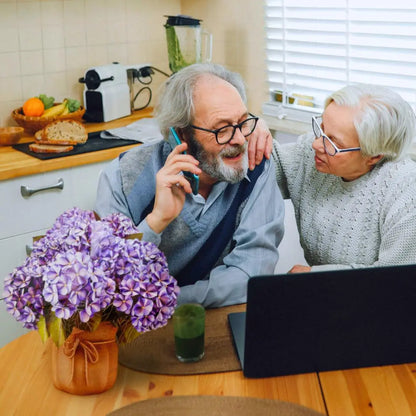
{"points": [[14, 163]]}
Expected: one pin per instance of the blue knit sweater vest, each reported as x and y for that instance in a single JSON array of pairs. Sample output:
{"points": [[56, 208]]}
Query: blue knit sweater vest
{"points": [[206, 242]]}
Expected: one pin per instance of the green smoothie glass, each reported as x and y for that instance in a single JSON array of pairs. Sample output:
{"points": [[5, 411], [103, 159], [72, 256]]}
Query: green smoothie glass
{"points": [[189, 330]]}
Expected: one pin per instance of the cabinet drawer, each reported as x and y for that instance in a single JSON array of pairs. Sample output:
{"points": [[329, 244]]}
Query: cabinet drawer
{"points": [[13, 251], [20, 214]]}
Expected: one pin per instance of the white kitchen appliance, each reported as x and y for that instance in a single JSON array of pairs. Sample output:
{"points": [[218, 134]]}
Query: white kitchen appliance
{"points": [[107, 93]]}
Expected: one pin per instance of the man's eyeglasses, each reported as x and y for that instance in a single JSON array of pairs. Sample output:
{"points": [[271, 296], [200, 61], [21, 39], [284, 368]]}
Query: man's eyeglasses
{"points": [[225, 134], [329, 145]]}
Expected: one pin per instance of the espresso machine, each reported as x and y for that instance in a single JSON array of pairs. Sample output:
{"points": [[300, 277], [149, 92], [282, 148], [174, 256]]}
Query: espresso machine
{"points": [[107, 91]]}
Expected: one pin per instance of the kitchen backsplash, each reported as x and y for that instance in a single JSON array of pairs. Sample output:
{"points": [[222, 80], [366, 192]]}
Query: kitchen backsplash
{"points": [[239, 40], [46, 46]]}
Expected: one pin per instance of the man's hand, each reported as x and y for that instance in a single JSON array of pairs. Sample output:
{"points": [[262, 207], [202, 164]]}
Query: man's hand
{"points": [[171, 188], [259, 144], [298, 268]]}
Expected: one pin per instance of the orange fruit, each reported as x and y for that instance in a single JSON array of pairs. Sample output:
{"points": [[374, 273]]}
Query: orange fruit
{"points": [[33, 107]]}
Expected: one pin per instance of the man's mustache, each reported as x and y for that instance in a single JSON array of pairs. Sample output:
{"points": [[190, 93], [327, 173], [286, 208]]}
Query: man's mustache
{"points": [[233, 151]]}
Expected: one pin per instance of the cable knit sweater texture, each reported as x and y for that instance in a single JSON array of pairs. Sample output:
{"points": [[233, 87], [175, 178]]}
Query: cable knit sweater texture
{"points": [[367, 222]]}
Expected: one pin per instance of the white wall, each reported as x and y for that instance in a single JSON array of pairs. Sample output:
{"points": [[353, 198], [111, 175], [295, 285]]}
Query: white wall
{"points": [[290, 251]]}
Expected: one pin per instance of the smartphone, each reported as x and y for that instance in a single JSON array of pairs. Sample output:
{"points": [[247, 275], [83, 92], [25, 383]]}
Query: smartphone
{"points": [[193, 179]]}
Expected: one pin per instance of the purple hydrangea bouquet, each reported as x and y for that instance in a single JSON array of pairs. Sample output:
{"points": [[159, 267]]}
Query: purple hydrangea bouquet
{"points": [[85, 271]]}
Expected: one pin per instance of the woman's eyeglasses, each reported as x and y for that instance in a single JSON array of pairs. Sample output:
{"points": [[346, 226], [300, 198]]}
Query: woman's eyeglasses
{"points": [[330, 147]]}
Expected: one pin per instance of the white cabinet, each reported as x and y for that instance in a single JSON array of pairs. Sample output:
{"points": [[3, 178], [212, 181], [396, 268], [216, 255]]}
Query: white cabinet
{"points": [[22, 218]]}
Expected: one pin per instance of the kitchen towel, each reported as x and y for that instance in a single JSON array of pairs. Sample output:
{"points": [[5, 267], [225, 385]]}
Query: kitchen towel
{"points": [[145, 130]]}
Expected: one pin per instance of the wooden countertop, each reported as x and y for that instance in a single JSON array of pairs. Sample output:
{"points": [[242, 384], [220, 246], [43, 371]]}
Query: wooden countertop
{"points": [[14, 164]]}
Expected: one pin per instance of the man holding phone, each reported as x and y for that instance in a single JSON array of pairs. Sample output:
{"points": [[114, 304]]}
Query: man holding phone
{"points": [[221, 222]]}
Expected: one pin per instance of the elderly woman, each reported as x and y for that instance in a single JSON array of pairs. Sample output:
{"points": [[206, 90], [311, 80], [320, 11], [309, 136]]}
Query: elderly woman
{"points": [[353, 184]]}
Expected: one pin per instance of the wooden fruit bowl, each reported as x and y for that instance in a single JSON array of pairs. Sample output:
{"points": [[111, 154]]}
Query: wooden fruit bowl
{"points": [[33, 124]]}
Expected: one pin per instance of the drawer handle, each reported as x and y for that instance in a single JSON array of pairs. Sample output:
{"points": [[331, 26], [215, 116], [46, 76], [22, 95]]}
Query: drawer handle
{"points": [[27, 191]]}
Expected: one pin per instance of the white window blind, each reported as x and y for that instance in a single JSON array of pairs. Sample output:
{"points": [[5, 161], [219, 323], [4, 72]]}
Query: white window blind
{"points": [[316, 47]]}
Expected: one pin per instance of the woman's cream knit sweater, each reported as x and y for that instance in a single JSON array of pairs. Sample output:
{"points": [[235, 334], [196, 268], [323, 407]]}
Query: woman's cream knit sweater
{"points": [[367, 222]]}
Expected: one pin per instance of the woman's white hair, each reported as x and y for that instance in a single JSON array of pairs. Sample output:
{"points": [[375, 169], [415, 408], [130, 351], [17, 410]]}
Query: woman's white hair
{"points": [[385, 122], [176, 107]]}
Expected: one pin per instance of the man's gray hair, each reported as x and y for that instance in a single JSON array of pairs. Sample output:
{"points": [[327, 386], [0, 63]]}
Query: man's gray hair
{"points": [[385, 122], [176, 107]]}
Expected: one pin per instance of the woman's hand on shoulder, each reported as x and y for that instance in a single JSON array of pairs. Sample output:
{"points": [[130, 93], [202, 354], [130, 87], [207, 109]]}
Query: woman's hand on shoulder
{"points": [[259, 144]]}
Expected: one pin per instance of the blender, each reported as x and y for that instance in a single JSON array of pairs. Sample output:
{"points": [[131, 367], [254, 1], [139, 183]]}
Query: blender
{"points": [[187, 42]]}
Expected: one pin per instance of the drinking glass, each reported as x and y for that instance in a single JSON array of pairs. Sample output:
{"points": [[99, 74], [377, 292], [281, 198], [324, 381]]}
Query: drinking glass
{"points": [[189, 330]]}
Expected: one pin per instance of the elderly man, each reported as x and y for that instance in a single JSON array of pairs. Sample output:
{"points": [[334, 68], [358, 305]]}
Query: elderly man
{"points": [[230, 229]]}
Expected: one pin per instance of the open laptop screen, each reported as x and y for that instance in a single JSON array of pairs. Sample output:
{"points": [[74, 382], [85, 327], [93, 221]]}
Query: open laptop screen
{"points": [[298, 323]]}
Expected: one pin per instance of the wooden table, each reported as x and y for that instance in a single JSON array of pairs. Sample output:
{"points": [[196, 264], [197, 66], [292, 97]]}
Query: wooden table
{"points": [[26, 387], [379, 391]]}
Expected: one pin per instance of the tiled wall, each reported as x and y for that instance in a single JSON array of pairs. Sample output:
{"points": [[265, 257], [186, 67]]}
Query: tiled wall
{"points": [[46, 46], [239, 40]]}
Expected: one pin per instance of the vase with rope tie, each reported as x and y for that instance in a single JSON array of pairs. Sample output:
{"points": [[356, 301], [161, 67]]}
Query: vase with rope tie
{"points": [[87, 362]]}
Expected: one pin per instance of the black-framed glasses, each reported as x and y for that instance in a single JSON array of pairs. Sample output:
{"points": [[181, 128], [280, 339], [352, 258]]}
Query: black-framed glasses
{"points": [[225, 134], [330, 147]]}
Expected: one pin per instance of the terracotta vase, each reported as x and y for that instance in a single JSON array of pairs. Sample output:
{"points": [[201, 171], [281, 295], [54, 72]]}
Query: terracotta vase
{"points": [[87, 362]]}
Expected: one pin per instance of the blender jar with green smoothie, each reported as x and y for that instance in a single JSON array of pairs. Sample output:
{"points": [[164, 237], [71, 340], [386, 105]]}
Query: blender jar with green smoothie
{"points": [[187, 42]]}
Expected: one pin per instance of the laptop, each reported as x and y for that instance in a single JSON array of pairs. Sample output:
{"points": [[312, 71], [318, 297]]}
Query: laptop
{"points": [[321, 321]]}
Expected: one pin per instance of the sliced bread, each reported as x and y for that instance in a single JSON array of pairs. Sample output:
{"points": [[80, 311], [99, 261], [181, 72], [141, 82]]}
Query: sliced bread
{"points": [[49, 148], [62, 132]]}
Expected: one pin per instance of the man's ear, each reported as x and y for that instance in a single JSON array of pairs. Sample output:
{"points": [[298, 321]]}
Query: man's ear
{"points": [[183, 134], [373, 160]]}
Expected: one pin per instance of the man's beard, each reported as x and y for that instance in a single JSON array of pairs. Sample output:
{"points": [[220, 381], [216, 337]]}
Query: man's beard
{"points": [[215, 167]]}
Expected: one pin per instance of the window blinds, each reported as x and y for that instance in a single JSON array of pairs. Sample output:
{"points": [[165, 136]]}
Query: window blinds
{"points": [[315, 48]]}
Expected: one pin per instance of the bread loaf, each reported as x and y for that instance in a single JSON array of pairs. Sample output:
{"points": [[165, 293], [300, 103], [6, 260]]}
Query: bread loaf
{"points": [[49, 148], [62, 132]]}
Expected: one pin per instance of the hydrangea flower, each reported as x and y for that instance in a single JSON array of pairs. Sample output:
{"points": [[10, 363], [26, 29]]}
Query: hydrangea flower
{"points": [[85, 269]]}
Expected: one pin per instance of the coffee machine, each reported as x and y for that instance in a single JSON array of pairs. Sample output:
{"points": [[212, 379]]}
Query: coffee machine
{"points": [[107, 94]]}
